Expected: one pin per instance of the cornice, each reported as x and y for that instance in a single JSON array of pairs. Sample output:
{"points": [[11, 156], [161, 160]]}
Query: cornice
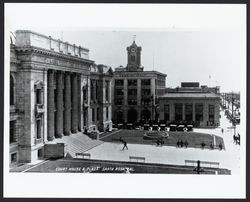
{"points": [[33, 49]]}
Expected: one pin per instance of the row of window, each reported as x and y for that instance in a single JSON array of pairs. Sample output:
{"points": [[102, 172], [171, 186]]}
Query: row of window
{"points": [[133, 82], [120, 101], [144, 92], [198, 110]]}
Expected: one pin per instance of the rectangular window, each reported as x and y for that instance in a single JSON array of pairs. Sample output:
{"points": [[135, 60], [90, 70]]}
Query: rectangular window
{"points": [[119, 92], [132, 92], [92, 88], [132, 58], [145, 92], [38, 96], [199, 112], [13, 158], [132, 102], [93, 115], [119, 82], [146, 102], [38, 129], [118, 101], [12, 132], [107, 113], [188, 112], [107, 90], [40, 153], [132, 82], [97, 113], [211, 113], [178, 112], [145, 82], [84, 94], [97, 89], [166, 112]]}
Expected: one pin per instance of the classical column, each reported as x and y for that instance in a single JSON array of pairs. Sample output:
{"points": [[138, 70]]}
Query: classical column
{"points": [[59, 107], [80, 101], [125, 92], [51, 106], [183, 112], [67, 105], [194, 112], [74, 104]]}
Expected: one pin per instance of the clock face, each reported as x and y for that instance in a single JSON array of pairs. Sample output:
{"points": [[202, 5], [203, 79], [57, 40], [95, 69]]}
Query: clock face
{"points": [[132, 50]]}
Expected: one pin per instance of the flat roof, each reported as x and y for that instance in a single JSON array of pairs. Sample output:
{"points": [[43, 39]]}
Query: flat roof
{"points": [[189, 95]]}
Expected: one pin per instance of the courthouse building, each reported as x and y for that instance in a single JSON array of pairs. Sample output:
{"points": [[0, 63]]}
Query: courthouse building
{"points": [[50, 93], [191, 104], [135, 92]]}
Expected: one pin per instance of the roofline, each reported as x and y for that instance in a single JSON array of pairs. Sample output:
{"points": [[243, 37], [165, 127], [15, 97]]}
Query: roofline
{"points": [[49, 37]]}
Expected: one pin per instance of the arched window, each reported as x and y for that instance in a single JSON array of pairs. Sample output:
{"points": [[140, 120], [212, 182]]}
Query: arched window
{"points": [[12, 91]]}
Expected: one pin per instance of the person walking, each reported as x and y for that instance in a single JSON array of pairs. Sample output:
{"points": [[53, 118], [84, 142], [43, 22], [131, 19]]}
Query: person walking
{"points": [[222, 130], [124, 145]]}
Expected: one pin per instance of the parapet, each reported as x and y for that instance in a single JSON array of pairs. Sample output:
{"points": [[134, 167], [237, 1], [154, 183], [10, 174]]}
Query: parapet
{"points": [[29, 38]]}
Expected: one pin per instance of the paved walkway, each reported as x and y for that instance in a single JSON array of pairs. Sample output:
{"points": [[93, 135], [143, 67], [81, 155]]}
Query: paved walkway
{"points": [[229, 158]]}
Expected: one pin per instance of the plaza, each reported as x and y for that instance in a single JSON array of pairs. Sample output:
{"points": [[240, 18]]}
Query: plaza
{"points": [[169, 155]]}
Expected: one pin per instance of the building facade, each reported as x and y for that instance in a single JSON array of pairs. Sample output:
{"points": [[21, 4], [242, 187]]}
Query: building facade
{"points": [[190, 104], [101, 77], [136, 92], [50, 93]]}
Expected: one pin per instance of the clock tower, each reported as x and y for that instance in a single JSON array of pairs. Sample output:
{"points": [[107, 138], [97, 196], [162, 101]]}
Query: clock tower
{"points": [[134, 58]]}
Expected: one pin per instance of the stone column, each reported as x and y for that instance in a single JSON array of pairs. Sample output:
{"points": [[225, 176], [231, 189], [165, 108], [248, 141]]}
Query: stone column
{"points": [[80, 101], [183, 112], [51, 106], [194, 112], [59, 107], [125, 90], [74, 104], [139, 92], [67, 105]]}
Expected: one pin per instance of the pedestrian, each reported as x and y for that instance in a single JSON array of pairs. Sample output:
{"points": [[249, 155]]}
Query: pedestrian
{"points": [[211, 145], [181, 143], [186, 143], [158, 142], [235, 139], [222, 130], [220, 146], [178, 143], [124, 145]]}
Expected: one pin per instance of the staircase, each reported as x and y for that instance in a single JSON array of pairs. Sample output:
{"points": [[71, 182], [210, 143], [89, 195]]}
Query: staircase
{"points": [[78, 143]]}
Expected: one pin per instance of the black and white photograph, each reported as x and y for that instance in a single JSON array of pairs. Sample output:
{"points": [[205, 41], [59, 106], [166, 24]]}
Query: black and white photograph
{"points": [[130, 100]]}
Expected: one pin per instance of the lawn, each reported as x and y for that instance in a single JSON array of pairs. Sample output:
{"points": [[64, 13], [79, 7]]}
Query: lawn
{"points": [[136, 137]]}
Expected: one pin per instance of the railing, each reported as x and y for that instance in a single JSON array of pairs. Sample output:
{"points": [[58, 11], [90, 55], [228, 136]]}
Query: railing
{"points": [[83, 155], [202, 163], [137, 159]]}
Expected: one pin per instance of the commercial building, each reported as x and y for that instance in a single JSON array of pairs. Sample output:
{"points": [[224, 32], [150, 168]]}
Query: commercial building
{"points": [[135, 92], [191, 104], [50, 93]]}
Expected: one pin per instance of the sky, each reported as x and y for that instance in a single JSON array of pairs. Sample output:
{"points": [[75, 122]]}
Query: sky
{"points": [[192, 50]]}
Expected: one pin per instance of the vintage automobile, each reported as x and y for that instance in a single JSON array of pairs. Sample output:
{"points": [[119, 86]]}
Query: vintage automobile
{"points": [[154, 135]]}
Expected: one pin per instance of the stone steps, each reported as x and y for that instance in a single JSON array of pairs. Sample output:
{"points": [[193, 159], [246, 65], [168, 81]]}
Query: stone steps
{"points": [[78, 143]]}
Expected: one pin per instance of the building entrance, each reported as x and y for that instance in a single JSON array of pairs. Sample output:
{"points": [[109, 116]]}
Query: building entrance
{"points": [[132, 115], [145, 115]]}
